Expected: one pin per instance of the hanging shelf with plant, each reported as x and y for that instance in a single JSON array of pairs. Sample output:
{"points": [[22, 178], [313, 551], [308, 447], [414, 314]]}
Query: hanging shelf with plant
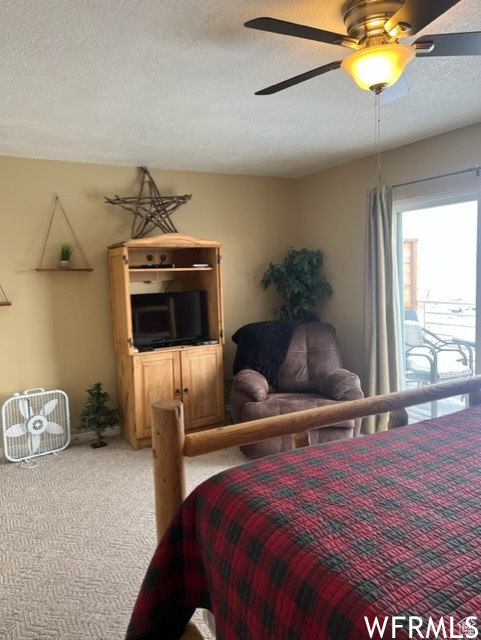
{"points": [[4, 301], [66, 248]]}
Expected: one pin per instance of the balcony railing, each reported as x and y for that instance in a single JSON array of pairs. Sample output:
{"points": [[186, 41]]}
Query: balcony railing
{"points": [[448, 318]]}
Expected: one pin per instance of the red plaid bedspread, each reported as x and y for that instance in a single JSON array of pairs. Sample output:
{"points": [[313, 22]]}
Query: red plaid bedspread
{"points": [[304, 545]]}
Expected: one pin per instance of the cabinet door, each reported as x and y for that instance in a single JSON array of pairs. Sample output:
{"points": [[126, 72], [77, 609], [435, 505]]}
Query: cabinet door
{"points": [[157, 377], [202, 386], [120, 299]]}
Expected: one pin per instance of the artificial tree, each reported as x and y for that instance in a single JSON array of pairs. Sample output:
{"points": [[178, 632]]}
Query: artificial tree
{"points": [[96, 415], [299, 280]]}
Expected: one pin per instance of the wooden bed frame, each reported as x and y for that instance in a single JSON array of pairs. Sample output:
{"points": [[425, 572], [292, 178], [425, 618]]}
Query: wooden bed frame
{"points": [[171, 444]]}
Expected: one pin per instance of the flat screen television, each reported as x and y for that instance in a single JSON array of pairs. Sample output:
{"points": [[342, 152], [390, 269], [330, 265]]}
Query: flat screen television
{"points": [[169, 319]]}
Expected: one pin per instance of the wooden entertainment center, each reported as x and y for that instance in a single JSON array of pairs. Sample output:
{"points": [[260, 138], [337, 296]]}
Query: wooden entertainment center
{"points": [[190, 372]]}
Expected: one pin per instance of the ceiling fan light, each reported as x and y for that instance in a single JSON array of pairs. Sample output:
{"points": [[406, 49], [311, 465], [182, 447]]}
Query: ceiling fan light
{"points": [[378, 67]]}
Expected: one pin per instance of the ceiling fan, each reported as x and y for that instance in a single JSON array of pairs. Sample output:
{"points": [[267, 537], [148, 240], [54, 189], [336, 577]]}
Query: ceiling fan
{"points": [[374, 28]]}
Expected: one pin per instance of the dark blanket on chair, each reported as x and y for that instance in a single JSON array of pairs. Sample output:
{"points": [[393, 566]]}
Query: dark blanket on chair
{"points": [[263, 346]]}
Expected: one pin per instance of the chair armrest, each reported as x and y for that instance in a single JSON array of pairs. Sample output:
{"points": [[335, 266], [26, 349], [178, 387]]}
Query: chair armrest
{"points": [[342, 384], [425, 351], [464, 348], [252, 384]]}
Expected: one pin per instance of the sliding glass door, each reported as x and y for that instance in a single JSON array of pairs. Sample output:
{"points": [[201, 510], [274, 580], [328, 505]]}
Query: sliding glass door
{"points": [[438, 257]]}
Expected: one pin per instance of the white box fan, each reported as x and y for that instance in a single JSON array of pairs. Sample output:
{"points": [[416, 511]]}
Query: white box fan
{"points": [[35, 422]]}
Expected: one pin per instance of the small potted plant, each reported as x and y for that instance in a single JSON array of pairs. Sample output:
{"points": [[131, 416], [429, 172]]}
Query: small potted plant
{"points": [[96, 415], [66, 251]]}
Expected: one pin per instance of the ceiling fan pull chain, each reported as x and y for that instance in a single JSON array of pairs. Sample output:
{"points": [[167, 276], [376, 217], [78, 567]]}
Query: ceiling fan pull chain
{"points": [[378, 135]]}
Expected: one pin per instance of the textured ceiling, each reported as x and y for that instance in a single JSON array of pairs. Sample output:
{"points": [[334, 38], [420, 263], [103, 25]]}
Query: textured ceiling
{"points": [[170, 84]]}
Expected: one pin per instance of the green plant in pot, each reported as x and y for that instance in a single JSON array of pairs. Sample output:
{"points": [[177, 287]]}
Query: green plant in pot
{"points": [[66, 251], [300, 282], [96, 415]]}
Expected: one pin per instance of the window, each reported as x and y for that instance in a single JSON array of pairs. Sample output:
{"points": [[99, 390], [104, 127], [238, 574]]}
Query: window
{"points": [[438, 257]]}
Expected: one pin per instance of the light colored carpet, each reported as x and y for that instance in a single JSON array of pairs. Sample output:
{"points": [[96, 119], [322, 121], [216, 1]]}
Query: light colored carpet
{"points": [[76, 535]]}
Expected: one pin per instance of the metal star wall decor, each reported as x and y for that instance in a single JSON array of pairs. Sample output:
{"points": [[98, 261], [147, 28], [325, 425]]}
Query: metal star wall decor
{"points": [[152, 210]]}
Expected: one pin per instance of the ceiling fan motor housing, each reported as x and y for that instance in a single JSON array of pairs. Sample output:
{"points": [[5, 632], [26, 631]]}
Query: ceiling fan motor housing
{"points": [[365, 19], [374, 28]]}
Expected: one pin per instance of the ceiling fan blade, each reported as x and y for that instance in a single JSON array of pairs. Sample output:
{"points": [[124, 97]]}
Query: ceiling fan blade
{"points": [[449, 44], [418, 14], [398, 90], [300, 78], [298, 30]]}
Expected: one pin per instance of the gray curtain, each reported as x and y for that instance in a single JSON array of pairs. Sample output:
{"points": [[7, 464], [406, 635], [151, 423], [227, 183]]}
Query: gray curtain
{"points": [[382, 304]]}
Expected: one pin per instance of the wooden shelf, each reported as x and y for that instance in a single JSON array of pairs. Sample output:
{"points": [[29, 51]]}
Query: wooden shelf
{"points": [[56, 206], [4, 301], [157, 270], [63, 270]]}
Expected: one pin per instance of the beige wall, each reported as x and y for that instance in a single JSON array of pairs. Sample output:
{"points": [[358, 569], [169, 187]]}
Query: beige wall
{"points": [[334, 212], [57, 333]]}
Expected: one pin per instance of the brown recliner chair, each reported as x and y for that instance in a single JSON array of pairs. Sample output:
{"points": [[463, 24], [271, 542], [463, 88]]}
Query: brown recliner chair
{"points": [[311, 375]]}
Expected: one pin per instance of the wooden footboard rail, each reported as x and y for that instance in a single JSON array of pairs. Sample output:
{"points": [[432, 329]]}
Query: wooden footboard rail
{"points": [[171, 444]]}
